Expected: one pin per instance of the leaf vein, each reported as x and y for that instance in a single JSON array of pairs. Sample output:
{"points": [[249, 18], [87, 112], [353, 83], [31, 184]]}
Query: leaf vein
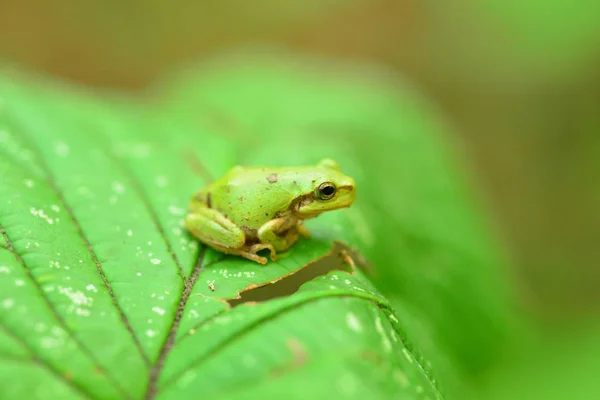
{"points": [[152, 389], [231, 339], [50, 368], [55, 313], [15, 161], [153, 215], [78, 228], [410, 348]]}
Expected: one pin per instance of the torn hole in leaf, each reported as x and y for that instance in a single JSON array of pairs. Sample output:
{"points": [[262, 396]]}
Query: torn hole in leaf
{"points": [[339, 258]]}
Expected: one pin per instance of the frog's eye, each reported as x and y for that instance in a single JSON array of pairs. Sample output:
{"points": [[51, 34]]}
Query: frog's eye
{"points": [[325, 191]]}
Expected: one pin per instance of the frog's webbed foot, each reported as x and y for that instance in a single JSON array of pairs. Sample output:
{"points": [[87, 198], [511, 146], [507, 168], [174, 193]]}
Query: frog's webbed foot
{"points": [[250, 252]]}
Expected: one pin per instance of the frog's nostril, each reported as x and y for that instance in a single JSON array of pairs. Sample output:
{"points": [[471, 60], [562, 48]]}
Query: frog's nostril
{"points": [[349, 192]]}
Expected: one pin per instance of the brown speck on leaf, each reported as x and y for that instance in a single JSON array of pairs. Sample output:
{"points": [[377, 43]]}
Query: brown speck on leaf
{"points": [[297, 350], [272, 178], [241, 198], [299, 357], [371, 357]]}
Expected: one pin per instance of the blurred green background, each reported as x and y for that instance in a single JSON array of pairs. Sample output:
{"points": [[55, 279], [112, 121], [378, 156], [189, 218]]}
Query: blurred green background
{"points": [[518, 83]]}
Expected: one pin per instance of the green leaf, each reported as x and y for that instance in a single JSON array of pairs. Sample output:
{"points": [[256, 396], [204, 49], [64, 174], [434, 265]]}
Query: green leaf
{"points": [[104, 294], [415, 219]]}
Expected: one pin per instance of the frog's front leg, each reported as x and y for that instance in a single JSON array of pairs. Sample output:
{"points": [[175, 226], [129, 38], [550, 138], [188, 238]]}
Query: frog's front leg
{"points": [[302, 229], [279, 232], [215, 230]]}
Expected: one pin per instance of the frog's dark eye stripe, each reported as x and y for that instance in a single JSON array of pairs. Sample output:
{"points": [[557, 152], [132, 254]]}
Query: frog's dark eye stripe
{"points": [[325, 191]]}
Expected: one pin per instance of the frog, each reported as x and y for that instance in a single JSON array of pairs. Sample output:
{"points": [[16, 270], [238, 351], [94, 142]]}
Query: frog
{"points": [[253, 208]]}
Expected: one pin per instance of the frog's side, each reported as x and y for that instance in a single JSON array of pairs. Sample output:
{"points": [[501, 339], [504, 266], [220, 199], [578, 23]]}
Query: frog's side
{"points": [[251, 209]]}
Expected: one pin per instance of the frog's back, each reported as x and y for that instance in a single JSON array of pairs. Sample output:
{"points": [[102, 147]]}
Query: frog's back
{"points": [[250, 196]]}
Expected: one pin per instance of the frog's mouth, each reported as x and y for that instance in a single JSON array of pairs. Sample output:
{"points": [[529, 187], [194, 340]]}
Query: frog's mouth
{"points": [[308, 206]]}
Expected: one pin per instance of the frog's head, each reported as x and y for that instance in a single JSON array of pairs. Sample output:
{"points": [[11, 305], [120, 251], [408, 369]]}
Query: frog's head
{"points": [[328, 189]]}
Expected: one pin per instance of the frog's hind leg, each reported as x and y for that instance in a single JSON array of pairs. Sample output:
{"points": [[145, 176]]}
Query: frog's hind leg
{"points": [[217, 231], [212, 227], [281, 233]]}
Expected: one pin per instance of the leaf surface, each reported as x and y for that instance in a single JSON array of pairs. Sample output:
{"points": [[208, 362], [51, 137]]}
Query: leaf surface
{"points": [[106, 296]]}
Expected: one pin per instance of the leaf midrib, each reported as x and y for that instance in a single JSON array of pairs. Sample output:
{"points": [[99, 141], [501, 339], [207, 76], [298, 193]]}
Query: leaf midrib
{"points": [[259, 322], [154, 374], [52, 184]]}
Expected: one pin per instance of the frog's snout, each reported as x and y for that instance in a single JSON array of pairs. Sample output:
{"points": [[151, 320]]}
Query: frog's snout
{"points": [[347, 191]]}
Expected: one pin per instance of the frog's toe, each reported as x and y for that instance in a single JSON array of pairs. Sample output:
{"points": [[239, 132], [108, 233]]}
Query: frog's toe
{"points": [[261, 246], [254, 257], [303, 231]]}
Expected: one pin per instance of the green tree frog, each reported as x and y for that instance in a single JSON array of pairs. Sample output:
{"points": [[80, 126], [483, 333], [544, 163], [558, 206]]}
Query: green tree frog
{"points": [[255, 208]]}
